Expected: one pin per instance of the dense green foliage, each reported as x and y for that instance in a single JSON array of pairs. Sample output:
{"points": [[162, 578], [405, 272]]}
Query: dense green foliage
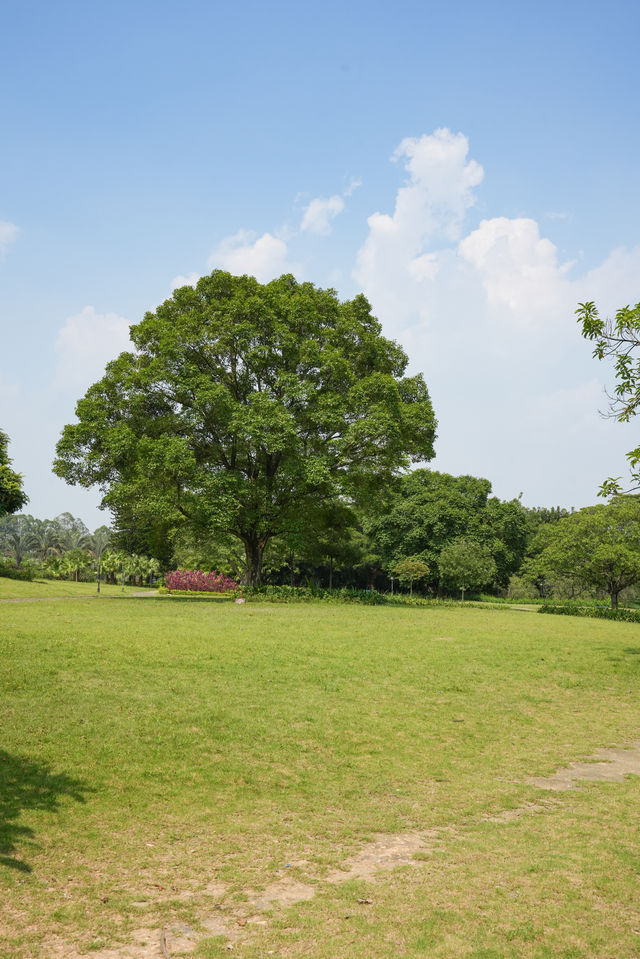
{"points": [[466, 565], [597, 547], [246, 407], [63, 548], [427, 510], [595, 612], [12, 495]]}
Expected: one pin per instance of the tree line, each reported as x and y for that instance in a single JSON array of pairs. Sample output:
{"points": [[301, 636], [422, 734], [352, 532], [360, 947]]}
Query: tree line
{"points": [[63, 548], [273, 429]]}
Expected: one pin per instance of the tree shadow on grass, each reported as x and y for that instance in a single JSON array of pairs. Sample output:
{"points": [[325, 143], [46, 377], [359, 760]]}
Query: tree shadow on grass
{"points": [[26, 785]]}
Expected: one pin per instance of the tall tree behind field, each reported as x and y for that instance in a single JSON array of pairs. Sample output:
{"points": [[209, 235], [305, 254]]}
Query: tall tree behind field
{"points": [[246, 407]]}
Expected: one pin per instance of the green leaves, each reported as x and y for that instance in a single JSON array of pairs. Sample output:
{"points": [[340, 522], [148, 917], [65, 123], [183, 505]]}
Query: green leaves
{"points": [[597, 547], [620, 339], [12, 495], [247, 406]]}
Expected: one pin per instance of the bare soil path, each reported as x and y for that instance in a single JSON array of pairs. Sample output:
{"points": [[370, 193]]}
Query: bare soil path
{"points": [[383, 854]]}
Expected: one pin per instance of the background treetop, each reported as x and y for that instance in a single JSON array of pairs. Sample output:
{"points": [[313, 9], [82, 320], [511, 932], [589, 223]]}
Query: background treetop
{"points": [[12, 495]]}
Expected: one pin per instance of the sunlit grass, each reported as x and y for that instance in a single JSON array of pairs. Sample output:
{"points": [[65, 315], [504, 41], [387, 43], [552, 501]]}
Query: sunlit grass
{"points": [[54, 588], [147, 748]]}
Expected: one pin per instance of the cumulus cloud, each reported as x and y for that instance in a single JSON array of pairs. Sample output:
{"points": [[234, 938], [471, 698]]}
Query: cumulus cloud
{"points": [[8, 233], [518, 268], [319, 214], [264, 257], [403, 252], [189, 280], [487, 313], [85, 344]]}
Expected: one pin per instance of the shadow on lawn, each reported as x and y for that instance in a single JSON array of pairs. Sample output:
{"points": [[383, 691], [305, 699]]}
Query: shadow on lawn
{"points": [[25, 785]]}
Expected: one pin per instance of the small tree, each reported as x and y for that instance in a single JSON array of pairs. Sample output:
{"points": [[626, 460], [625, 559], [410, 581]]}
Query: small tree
{"points": [[598, 547], [410, 569], [467, 565], [98, 544]]}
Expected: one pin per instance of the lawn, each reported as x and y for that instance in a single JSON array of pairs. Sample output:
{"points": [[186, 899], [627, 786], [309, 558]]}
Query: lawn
{"points": [[161, 763], [54, 588]]}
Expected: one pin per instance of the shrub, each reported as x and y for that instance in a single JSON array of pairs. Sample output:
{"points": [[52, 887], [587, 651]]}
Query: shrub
{"points": [[25, 573], [596, 612], [195, 581], [201, 595]]}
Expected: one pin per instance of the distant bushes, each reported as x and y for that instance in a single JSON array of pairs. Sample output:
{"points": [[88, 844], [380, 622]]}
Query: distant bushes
{"points": [[198, 595], [25, 573], [195, 581], [310, 594], [595, 612]]}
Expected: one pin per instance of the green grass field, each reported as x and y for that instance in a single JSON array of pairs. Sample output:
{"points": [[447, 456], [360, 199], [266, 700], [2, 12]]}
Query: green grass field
{"points": [[55, 588], [161, 763]]}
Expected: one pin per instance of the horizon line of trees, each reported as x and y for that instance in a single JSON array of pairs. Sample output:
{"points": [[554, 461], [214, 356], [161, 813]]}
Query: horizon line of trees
{"points": [[64, 548], [270, 429]]}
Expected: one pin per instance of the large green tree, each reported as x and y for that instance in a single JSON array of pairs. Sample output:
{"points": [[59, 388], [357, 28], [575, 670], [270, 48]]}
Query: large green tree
{"points": [[618, 339], [245, 406], [12, 495], [596, 548]]}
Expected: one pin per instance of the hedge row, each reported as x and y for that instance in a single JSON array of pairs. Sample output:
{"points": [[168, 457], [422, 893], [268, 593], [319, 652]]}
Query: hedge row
{"points": [[13, 572], [196, 594], [595, 612]]}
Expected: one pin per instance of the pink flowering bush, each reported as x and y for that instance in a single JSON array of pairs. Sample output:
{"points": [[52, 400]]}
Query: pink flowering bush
{"points": [[195, 581]]}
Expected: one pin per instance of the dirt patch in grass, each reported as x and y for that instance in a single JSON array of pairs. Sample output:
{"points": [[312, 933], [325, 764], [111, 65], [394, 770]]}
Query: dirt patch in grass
{"points": [[234, 922], [607, 765]]}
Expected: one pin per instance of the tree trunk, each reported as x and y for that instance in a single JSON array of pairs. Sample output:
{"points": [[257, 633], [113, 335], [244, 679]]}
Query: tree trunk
{"points": [[254, 552], [614, 599], [330, 572]]}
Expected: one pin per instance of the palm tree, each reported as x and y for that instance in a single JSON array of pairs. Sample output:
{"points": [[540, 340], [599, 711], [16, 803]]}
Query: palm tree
{"points": [[15, 535], [44, 537], [73, 533], [99, 542]]}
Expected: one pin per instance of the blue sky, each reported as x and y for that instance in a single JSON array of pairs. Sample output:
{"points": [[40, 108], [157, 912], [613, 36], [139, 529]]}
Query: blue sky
{"points": [[471, 167]]}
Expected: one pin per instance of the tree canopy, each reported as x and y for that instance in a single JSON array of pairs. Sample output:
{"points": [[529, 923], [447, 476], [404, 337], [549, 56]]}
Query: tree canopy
{"points": [[427, 510], [246, 406], [12, 495], [618, 339], [598, 547], [466, 565]]}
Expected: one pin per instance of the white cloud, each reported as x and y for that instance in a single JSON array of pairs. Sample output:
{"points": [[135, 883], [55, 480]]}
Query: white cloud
{"points": [[264, 257], [488, 316], [518, 268], [85, 344], [353, 185], [318, 215], [615, 282], [8, 233], [403, 254], [189, 280]]}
